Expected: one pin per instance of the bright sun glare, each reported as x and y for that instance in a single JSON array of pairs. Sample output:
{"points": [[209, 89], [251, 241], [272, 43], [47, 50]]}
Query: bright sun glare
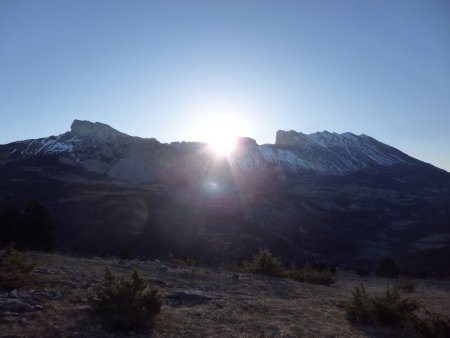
{"points": [[223, 143], [221, 133]]}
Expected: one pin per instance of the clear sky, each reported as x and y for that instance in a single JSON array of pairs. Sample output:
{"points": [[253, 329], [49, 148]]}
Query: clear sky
{"points": [[162, 68]]}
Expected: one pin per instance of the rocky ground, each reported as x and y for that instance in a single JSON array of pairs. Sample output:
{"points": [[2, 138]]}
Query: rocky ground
{"points": [[199, 302]]}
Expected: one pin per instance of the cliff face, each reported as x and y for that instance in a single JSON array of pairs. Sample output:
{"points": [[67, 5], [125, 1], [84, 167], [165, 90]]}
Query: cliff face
{"points": [[95, 130]]}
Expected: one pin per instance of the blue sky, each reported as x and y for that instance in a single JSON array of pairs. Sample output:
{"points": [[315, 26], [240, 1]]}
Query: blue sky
{"points": [[161, 68]]}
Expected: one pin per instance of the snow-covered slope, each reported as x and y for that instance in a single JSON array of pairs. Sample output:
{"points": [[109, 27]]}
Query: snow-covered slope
{"points": [[331, 153], [96, 147]]}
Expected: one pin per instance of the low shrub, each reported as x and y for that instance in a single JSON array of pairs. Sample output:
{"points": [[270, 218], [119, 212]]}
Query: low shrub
{"points": [[406, 285], [127, 304], [311, 274], [332, 268], [15, 269], [265, 263], [431, 325], [181, 262], [390, 309], [387, 269], [359, 307], [421, 274], [362, 272], [127, 254]]}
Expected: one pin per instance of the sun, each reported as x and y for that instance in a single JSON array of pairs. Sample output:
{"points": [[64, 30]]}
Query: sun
{"points": [[221, 134], [223, 145]]}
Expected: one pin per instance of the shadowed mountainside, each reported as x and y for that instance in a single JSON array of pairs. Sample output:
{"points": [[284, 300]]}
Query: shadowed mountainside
{"points": [[325, 196]]}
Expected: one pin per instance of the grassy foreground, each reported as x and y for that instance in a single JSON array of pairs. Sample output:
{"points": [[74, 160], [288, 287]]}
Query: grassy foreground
{"points": [[198, 302]]}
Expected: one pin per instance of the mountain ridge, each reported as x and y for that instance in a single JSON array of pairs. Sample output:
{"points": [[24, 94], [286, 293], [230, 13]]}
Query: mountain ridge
{"points": [[322, 153]]}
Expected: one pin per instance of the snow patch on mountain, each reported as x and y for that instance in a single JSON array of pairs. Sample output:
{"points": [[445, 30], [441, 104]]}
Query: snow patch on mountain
{"points": [[49, 146]]}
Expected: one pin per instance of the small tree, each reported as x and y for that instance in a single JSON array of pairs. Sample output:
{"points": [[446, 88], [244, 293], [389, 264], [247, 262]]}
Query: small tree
{"points": [[359, 307], [127, 303], [265, 263], [38, 229], [31, 228], [10, 220]]}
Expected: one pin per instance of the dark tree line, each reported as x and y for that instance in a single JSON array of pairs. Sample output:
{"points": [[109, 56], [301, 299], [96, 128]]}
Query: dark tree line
{"points": [[29, 228]]}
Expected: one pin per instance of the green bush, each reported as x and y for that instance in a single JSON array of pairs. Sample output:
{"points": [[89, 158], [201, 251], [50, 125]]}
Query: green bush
{"points": [[310, 274], [265, 263], [390, 309], [15, 270], [127, 304], [387, 269], [359, 307]]}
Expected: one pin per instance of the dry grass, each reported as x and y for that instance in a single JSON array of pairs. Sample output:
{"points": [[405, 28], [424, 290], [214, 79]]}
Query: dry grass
{"points": [[237, 305], [15, 269]]}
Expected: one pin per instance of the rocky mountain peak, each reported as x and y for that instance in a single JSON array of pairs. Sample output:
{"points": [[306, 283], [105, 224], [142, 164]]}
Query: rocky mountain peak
{"points": [[321, 138], [247, 142], [291, 137], [94, 130]]}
